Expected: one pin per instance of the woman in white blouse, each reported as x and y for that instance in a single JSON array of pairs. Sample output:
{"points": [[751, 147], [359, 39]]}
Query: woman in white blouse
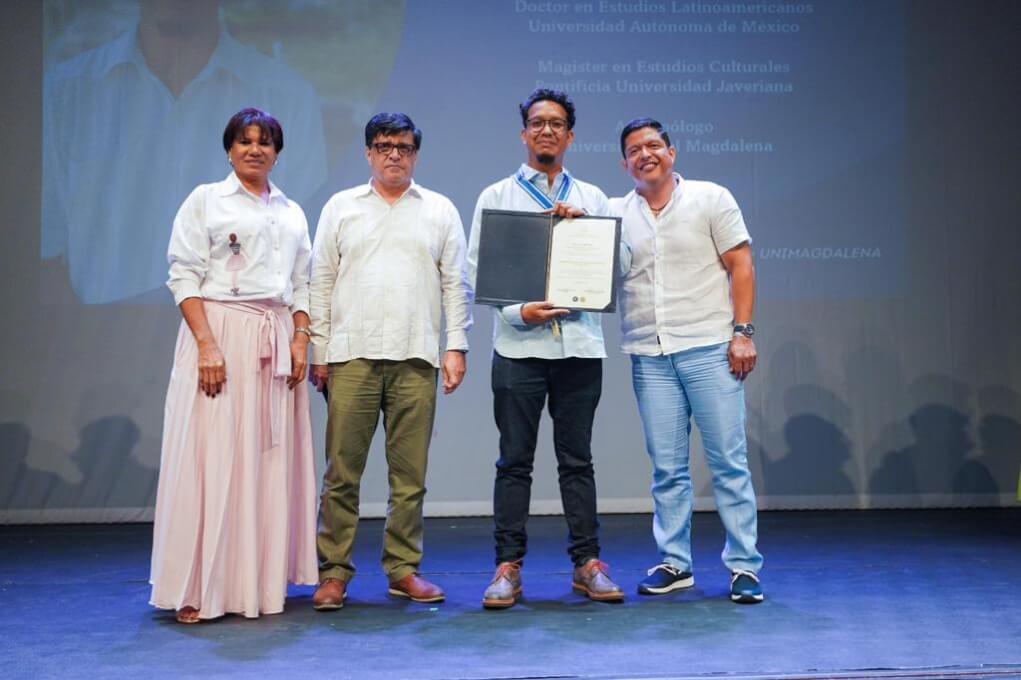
{"points": [[235, 508]]}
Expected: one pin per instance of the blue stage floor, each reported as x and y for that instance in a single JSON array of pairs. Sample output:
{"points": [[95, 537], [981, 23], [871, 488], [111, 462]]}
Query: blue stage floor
{"points": [[849, 594]]}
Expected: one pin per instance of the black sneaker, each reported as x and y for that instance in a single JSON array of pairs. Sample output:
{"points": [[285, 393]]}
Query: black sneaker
{"points": [[745, 587], [665, 578]]}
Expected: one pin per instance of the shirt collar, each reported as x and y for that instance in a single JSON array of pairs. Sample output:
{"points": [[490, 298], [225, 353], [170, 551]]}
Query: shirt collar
{"points": [[678, 190], [367, 189], [539, 178], [122, 50], [232, 185], [229, 55]]}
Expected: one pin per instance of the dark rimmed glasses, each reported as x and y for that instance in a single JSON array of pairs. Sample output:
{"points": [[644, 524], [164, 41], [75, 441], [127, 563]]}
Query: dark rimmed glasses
{"points": [[537, 125], [386, 148]]}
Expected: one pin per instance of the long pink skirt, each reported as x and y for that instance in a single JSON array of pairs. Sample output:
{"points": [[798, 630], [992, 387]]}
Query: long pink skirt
{"points": [[236, 503]]}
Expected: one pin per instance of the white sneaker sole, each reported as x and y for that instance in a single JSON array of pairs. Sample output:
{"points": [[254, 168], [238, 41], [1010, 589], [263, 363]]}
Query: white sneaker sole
{"points": [[679, 584]]}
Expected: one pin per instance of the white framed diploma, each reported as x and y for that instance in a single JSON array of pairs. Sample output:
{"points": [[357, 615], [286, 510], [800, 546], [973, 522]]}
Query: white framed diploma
{"points": [[582, 263], [527, 257]]}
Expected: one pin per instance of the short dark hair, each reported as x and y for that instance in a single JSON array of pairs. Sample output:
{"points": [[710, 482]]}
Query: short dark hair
{"points": [[388, 124], [638, 124], [543, 94], [240, 121]]}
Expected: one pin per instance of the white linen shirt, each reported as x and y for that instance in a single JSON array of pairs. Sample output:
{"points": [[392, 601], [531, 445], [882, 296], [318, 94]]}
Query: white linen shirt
{"points": [[274, 246], [581, 333], [120, 152], [382, 273], [675, 294]]}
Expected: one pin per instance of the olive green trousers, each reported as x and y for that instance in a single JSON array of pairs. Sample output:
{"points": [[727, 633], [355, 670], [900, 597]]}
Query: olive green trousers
{"points": [[359, 390]]}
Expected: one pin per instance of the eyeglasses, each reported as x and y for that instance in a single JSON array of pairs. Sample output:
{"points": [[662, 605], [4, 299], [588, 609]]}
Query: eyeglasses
{"points": [[536, 125], [386, 148]]}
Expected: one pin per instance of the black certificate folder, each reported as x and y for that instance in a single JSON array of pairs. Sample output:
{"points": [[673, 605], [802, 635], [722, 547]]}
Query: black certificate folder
{"points": [[523, 258]]}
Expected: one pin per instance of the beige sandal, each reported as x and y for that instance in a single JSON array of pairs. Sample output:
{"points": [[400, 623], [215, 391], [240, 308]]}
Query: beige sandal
{"points": [[187, 615]]}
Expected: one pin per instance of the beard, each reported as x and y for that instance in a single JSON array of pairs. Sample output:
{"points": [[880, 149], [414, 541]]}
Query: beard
{"points": [[545, 158]]}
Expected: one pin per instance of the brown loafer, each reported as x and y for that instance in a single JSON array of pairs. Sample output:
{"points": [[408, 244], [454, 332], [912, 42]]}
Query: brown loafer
{"points": [[416, 589], [505, 588], [330, 595], [592, 580], [187, 615]]}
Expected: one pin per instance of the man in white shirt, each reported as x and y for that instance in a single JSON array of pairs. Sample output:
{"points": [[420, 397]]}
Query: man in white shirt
{"points": [[686, 309], [130, 127], [540, 352], [388, 258]]}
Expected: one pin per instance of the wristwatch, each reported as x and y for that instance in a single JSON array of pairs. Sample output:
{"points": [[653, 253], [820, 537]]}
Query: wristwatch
{"points": [[745, 329]]}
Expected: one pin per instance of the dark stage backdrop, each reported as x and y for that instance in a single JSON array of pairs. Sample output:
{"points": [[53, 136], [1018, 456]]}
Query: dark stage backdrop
{"points": [[873, 146]]}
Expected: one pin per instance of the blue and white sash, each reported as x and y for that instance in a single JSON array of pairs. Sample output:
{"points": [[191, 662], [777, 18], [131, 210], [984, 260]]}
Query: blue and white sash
{"points": [[541, 198]]}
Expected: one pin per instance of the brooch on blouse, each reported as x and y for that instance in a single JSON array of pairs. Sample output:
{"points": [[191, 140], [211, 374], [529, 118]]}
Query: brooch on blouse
{"points": [[235, 263]]}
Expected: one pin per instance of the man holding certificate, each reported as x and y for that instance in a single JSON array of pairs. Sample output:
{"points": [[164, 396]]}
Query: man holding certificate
{"points": [[544, 351], [686, 309]]}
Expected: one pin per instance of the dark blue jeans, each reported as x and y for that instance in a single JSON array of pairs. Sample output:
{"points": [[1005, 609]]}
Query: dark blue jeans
{"points": [[520, 388]]}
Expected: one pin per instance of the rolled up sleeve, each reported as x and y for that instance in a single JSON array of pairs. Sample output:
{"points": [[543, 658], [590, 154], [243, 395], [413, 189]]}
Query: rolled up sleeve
{"points": [[188, 252], [727, 223]]}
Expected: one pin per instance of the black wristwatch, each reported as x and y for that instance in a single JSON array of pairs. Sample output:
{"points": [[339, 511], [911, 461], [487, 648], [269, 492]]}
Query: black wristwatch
{"points": [[745, 329]]}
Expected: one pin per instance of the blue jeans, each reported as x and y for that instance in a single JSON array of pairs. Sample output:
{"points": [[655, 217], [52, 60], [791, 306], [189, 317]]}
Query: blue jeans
{"points": [[670, 390]]}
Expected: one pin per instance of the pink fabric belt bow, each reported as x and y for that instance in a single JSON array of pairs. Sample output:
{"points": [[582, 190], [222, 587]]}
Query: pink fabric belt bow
{"points": [[274, 344]]}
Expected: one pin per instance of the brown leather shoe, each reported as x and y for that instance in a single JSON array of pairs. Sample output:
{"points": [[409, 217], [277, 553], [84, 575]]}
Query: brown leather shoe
{"points": [[330, 595], [416, 589], [592, 580], [505, 588]]}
